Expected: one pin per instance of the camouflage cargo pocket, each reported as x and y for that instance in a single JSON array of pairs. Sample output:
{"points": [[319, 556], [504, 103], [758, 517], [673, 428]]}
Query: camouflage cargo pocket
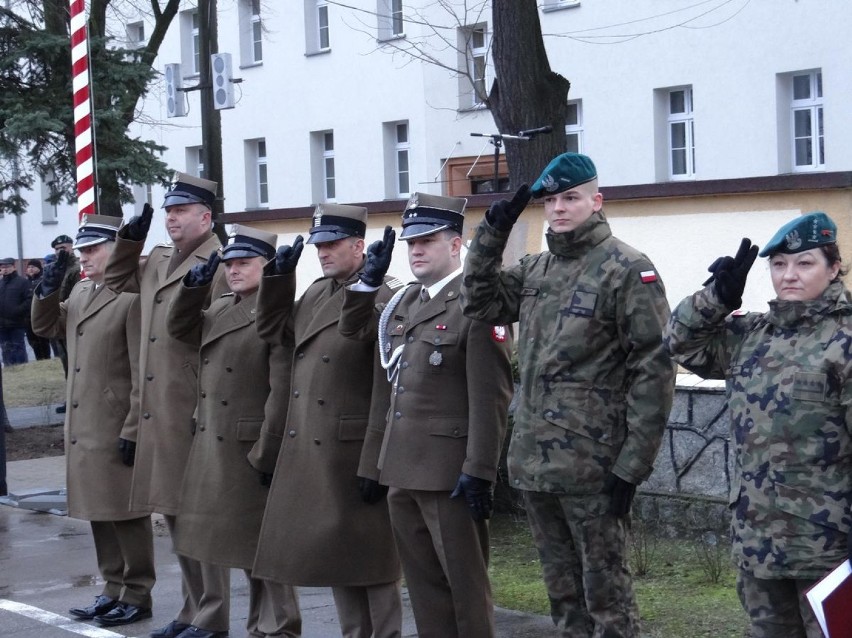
{"points": [[588, 412]]}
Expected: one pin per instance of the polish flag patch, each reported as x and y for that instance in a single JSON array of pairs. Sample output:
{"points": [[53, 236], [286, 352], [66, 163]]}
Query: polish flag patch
{"points": [[498, 333], [648, 276]]}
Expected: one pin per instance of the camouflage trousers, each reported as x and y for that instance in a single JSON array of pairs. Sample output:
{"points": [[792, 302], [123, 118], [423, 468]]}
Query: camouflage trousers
{"points": [[777, 608], [584, 559]]}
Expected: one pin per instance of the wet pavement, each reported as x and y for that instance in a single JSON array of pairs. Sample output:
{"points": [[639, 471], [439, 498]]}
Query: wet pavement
{"points": [[47, 565]]}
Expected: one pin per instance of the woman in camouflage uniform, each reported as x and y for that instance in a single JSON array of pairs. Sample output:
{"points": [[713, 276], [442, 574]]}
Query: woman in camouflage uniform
{"points": [[788, 375]]}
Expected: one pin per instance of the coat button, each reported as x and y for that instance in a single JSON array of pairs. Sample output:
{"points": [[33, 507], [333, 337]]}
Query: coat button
{"points": [[224, 402], [74, 404], [317, 441], [321, 401], [203, 395], [158, 299], [296, 394], [80, 332], [400, 390], [202, 427], [397, 415], [436, 340], [150, 377], [455, 431], [76, 368], [219, 437], [292, 433], [147, 415], [73, 441], [326, 358], [404, 364], [301, 355], [206, 360], [228, 369], [152, 339], [410, 339]]}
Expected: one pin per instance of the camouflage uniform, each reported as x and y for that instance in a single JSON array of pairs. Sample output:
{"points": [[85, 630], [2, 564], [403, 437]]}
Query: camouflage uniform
{"points": [[596, 390], [789, 389]]}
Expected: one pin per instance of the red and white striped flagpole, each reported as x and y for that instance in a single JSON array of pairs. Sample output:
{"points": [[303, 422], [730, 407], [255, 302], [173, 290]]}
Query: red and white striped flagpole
{"points": [[82, 110]]}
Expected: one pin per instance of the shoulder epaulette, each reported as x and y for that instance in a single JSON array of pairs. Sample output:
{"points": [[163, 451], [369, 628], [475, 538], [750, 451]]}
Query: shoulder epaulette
{"points": [[393, 283]]}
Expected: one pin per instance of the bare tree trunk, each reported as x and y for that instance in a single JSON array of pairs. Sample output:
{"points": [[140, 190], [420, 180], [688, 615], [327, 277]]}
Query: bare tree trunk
{"points": [[526, 94]]}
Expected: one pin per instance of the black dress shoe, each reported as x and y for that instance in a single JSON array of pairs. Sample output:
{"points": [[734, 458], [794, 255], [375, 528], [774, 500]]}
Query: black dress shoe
{"points": [[102, 605], [172, 630], [198, 632], [123, 614]]}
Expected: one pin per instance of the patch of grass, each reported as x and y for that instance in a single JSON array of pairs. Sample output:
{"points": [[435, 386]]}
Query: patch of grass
{"points": [[676, 599], [34, 383]]}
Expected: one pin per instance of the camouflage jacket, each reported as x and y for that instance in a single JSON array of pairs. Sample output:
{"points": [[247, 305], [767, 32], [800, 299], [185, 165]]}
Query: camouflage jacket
{"points": [[596, 383], [788, 378]]}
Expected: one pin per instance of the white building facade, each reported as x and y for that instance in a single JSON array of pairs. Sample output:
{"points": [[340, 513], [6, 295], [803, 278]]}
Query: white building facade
{"points": [[708, 121]]}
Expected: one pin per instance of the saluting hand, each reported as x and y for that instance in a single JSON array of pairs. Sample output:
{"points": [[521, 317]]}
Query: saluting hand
{"points": [[730, 273], [477, 493], [286, 258], [378, 259], [138, 226], [128, 451], [202, 274], [53, 274], [503, 214]]}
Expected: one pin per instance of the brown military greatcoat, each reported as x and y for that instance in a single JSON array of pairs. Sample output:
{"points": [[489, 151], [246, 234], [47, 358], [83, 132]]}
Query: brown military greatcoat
{"points": [[317, 531], [102, 329], [168, 370], [222, 499]]}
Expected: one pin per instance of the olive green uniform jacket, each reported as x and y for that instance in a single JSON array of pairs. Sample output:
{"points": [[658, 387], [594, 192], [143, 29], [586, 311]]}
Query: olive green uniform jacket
{"points": [[317, 531], [168, 370], [596, 383], [788, 375], [102, 329], [222, 498]]}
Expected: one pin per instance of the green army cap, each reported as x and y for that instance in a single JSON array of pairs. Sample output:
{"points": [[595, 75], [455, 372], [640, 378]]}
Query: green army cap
{"points": [[564, 172], [803, 233]]}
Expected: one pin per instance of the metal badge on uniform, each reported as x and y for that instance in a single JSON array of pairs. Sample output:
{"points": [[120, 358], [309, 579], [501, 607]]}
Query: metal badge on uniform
{"points": [[435, 359], [498, 333], [397, 330], [583, 303], [529, 292]]}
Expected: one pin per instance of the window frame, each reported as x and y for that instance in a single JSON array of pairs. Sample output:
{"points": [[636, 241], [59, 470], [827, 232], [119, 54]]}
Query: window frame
{"points": [[261, 172], [255, 32], [321, 8], [575, 129], [328, 158], [472, 55], [685, 118], [814, 107], [195, 35], [400, 149]]}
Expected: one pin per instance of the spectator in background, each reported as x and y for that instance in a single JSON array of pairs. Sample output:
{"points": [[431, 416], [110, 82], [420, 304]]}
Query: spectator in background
{"points": [[40, 345], [15, 295], [64, 244]]}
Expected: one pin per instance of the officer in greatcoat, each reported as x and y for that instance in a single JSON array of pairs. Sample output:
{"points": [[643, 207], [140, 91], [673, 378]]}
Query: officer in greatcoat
{"points": [[451, 386], [326, 521], [102, 329], [223, 496], [168, 379]]}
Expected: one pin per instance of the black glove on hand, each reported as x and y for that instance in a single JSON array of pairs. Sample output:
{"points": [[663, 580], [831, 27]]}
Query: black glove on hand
{"points": [[378, 259], [477, 493], [53, 274], [286, 258], [503, 214], [265, 479], [730, 274], [371, 491], [202, 274], [622, 493], [128, 451], [137, 227]]}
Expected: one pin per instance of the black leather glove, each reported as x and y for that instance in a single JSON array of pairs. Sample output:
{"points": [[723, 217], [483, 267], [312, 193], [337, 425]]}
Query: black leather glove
{"points": [[53, 274], [286, 258], [138, 226], [622, 493], [378, 259], [730, 273], [202, 274], [128, 451], [371, 491], [477, 493], [265, 479], [503, 214]]}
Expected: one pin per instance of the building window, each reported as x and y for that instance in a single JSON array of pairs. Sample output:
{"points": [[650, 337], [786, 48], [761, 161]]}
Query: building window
{"points": [[477, 62], [251, 32], [391, 19], [190, 43], [257, 174], [49, 198], [135, 35], [329, 189], [681, 134], [574, 127], [317, 36], [195, 160], [807, 120], [262, 174], [397, 153]]}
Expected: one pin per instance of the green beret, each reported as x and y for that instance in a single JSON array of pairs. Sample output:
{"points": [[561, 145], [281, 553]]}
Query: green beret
{"points": [[564, 171], [801, 234]]}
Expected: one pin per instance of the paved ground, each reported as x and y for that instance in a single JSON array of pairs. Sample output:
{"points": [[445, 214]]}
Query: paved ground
{"points": [[47, 565]]}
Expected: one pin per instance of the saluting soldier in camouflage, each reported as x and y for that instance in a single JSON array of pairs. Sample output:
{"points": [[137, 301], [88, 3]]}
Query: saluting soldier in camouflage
{"points": [[596, 387], [789, 387]]}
